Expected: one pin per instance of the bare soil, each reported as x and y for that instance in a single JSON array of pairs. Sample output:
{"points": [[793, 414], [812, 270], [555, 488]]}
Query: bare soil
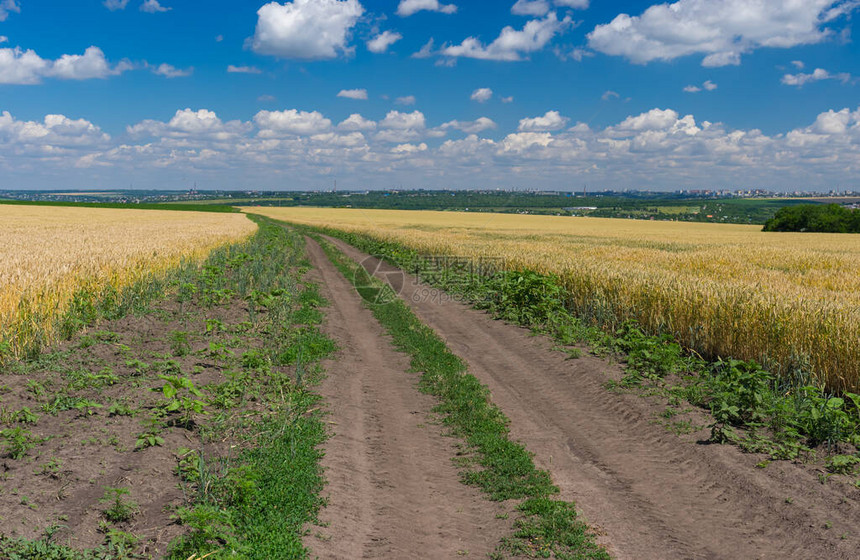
{"points": [[78, 453], [393, 491], [651, 494]]}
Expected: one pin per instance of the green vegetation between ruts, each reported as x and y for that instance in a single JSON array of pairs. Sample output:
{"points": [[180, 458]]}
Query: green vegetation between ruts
{"points": [[829, 218], [502, 468], [785, 417], [253, 500]]}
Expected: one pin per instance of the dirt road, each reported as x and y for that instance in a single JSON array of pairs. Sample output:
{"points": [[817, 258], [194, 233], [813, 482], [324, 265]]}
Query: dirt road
{"points": [[652, 494], [393, 491]]}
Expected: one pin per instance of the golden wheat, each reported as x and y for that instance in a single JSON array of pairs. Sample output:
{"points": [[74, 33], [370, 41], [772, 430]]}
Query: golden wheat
{"points": [[49, 253], [786, 299]]}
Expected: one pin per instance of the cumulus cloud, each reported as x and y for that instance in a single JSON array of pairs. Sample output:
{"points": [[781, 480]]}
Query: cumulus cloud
{"points": [[22, 67], [722, 30], [272, 123], [57, 131], [511, 44], [405, 100], [481, 95], [381, 42], [552, 120], [659, 148], [801, 79], [404, 121], [4, 39], [471, 127], [356, 122], [409, 148], [7, 6], [243, 69], [399, 127], [114, 5], [201, 125], [408, 7], [353, 93], [798, 64], [170, 71], [305, 29], [91, 64], [153, 7]]}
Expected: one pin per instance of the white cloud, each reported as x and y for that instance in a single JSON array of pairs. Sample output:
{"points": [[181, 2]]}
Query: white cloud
{"points": [[655, 119], [471, 127], [219, 38], [609, 94], [4, 39], [291, 121], [22, 67], [153, 7], [509, 99], [408, 149], [243, 69], [722, 30], [356, 122], [91, 64], [305, 29], [798, 64], [353, 93], [659, 148], [408, 7], [816, 75], [530, 8], [541, 7], [708, 85], [381, 42], [403, 121], [405, 100], [552, 120], [481, 95], [426, 51], [26, 67], [266, 98], [576, 54], [511, 45], [170, 71], [7, 6], [114, 5]]}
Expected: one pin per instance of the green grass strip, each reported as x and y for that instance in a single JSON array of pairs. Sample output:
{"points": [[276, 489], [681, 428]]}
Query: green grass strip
{"points": [[502, 468]]}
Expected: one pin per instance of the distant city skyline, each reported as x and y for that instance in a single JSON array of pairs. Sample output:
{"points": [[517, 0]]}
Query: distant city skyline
{"points": [[550, 94]]}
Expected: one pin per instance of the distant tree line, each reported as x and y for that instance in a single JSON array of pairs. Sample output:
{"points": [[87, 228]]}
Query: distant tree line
{"points": [[827, 218]]}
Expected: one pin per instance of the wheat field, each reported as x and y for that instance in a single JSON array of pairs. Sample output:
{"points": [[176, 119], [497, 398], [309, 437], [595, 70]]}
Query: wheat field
{"points": [[49, 253], [788, 300]]}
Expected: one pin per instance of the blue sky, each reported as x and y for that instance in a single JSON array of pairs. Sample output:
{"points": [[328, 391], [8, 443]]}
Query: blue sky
{"points": [[377, 94]]}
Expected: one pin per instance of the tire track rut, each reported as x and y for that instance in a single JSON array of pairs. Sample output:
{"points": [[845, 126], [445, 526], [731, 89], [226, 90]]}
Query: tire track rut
{"points": [[652, 494], [393, 491]]}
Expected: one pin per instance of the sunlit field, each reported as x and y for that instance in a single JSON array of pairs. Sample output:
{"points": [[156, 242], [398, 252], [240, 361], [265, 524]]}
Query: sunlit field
{"points": [[48, 254], [791, 301]]}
